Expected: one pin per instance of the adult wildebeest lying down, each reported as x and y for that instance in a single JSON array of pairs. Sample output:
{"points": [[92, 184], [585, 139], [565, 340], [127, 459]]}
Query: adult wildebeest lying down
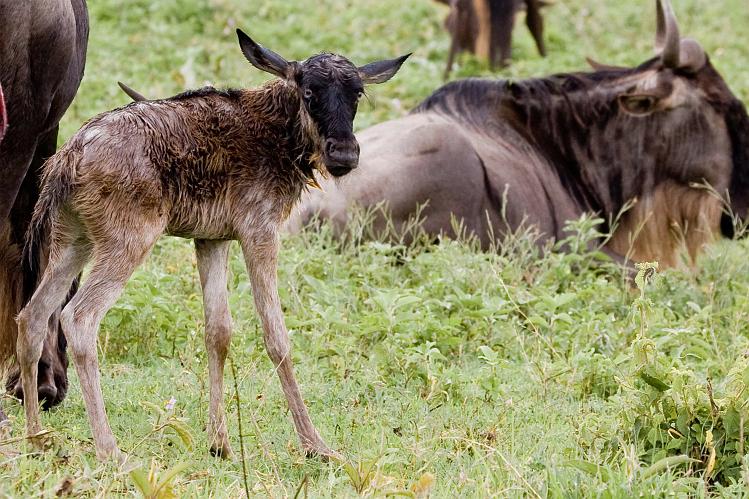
{"points": [[563, 146], [208, 165], [484, 28], [42, 56]]}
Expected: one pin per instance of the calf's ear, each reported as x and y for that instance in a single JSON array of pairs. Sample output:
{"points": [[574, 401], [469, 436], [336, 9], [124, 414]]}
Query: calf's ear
{"points": [[381, 71], [262, 58]]}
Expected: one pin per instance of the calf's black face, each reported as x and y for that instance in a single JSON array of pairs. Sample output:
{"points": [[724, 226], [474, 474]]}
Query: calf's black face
{"points": [[329, 87]]}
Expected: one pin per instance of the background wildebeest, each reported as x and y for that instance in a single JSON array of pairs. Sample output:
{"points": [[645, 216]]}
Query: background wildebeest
{"points": [[42, 56], [484, 28], [208, 165], [562, 146]]}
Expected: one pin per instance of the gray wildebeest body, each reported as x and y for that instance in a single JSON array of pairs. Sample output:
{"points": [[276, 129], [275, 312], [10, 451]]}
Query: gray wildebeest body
{"points": [[42, 55], [484, 28], [209, 165], [550, 150]]}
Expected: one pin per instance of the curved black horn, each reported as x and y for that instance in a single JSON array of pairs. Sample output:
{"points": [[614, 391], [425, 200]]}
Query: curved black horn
{"points": [[667, 39]]}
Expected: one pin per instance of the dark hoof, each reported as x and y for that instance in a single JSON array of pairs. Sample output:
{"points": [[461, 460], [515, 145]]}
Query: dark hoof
{"points": [[323, 453], [222, 452]]}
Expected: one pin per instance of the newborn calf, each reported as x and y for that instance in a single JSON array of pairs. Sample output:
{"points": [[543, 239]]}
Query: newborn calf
{"points": [[209, 165]]}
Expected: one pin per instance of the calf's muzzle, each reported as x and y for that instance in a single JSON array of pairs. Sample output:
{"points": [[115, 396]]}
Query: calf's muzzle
{"points": [[341, 155]]}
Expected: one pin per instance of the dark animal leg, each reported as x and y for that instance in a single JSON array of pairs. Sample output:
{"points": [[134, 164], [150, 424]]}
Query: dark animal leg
{"points": [[17, 154], [52, 375], [535, 22], [451, 56], [502, 23]]}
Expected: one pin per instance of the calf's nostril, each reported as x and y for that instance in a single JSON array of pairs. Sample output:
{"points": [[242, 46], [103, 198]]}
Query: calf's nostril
{"points": [[330, 146]]}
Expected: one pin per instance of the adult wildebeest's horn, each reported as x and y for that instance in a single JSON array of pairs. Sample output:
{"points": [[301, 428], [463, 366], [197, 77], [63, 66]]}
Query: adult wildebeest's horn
{"points": [[667, 40], [137, 97], [3, 114]]}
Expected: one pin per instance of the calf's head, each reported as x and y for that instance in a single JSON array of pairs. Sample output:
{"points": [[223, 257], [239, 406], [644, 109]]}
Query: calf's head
{"points": [[329, 88]]}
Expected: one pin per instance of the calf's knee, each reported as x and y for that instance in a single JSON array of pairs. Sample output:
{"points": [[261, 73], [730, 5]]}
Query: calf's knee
{"points": [[75, 327], [278, 349], [218, 336]]}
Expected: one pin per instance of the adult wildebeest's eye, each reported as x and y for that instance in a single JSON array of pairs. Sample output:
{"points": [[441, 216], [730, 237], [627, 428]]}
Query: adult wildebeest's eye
{"points": [[359, 94], [308, 93], [638, 104]]}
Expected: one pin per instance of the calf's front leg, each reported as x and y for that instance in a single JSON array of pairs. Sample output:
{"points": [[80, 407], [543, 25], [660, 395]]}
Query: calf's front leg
{"points": [[212, 262], [261, 256]]}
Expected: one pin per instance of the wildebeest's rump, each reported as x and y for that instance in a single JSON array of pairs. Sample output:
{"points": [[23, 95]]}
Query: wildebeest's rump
{"points": [[563, 146], [42, 55], [209, 165], [484, 28]]}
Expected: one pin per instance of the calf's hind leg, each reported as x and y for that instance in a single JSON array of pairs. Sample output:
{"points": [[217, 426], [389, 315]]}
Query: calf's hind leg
{"points": [[34, 319], [212, 261], [114, 263], [261, 254]]}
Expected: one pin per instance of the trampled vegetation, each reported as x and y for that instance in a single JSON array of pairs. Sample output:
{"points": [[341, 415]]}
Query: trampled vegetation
{"points": [[433, 368]]}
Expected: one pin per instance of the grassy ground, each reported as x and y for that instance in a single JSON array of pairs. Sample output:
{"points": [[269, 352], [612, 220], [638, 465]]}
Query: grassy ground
{"points": [[438, 368]]}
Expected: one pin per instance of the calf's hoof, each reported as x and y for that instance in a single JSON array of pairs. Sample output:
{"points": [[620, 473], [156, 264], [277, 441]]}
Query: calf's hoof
{"points": [[112, 454], [322, 451], [222, 450], [40, 440]]}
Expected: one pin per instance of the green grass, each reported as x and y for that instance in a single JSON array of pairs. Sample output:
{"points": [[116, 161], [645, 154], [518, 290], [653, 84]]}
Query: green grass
{"points": [[510, 374]]}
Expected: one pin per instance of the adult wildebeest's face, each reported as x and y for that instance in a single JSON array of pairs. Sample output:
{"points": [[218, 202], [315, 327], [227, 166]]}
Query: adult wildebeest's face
{"points": [[329, 88], [676, 113]]}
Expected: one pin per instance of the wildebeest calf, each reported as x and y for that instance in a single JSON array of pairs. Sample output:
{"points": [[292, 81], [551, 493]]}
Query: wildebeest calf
{"points": [[210, 165]]}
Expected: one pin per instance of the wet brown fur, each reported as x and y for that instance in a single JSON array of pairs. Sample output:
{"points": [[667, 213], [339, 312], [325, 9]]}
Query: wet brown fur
{"points": [[210, 165]]}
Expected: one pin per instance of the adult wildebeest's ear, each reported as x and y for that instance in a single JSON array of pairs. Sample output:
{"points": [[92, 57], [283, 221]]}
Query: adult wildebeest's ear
{"points": [[381, 71], [262, 58], [599, 66]]}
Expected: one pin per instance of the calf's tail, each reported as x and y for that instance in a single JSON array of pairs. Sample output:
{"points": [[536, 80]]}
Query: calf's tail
{"points": [[58, 177]]}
